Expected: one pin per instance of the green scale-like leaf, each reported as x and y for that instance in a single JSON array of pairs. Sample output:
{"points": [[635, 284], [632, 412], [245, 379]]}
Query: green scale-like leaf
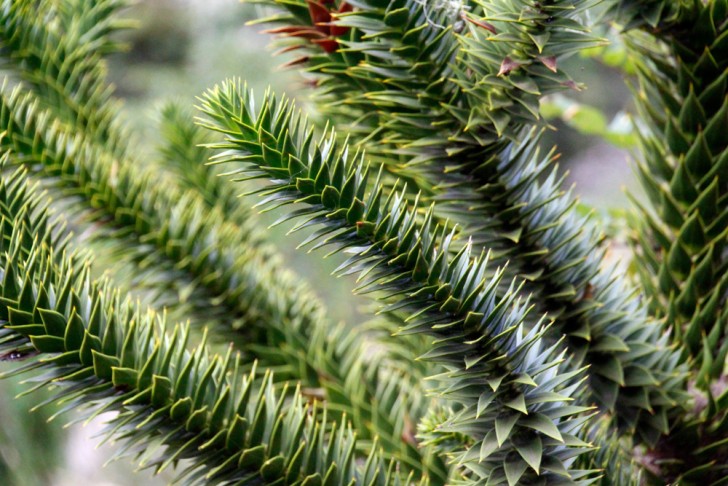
{"points": [[681, 245], [134, 199], [183, 154], [231, 427], [479, 333], [58, 48], [247, 295], [507, 196]]}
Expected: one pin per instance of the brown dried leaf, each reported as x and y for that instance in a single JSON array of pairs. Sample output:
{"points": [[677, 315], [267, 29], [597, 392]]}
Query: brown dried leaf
{"points": [[480, 23], [345, 7], [549, 62], [320, 16], [588, 292], [313, 394], [334, 29], [297, 31], [295, 62], [507, 66], [329, 45], [408, 432], [286, 49]]}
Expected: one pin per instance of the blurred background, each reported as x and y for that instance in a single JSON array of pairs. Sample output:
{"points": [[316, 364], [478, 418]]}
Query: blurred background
{"points": [[181, 48]]}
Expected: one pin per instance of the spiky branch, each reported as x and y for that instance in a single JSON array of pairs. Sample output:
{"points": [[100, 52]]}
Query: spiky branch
{"points": [[681, 50], [58, 50], [106, 354], [248, 297], [446, 108], [504, 377]]}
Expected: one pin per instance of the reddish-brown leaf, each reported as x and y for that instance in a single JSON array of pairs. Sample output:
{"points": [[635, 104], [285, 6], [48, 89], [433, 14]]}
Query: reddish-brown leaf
{"points": [[549, 62], [588, 292], [295, 62], [571, 85], [290, 48], [303, 32], [336, 30], [480, 23], [507, 66], [319, 15], [286, 29], [310, 83], [329, 45]]}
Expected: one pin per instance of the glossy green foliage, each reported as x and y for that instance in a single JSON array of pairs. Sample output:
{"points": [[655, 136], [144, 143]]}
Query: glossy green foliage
{"points": [[505, 352], [58, 48], [139, 206], [453, 96], [685, 268], [652, 14], [414, 75], [479, 334], [106, 354], [682, 238], [283, 326], [512, 58], [319, 353], [487, 81], [183, 153], [245, 294], [143, 222]]}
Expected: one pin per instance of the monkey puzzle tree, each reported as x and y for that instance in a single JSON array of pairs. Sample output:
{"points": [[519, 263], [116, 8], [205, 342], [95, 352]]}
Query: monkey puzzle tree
{"points": [[504, 351]]}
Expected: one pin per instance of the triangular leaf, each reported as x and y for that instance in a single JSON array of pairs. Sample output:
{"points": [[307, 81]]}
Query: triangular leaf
{"points": [[531, 451], [503, 426]]}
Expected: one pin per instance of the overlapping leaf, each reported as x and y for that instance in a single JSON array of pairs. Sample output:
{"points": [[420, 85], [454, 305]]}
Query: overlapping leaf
{"points": [[103, 353], [447, 108], [58, 50], [512, 388], [245, 294], [681, 243]]}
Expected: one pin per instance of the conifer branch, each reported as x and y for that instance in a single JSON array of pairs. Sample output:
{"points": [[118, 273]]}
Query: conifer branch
{"points": [[183, 153], [480, 336], [457, 127], [249, 297], [492, 288], [102, 354], [62, 61], [682, 256]]}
